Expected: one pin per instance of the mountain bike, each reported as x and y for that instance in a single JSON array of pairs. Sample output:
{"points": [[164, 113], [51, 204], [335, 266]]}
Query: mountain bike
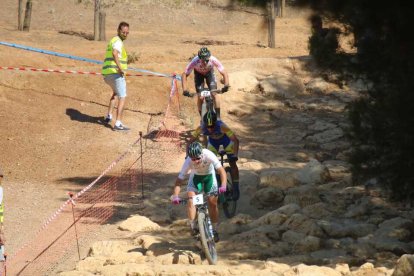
{"points": [[205, 226], [226, 200], [207, 98]]}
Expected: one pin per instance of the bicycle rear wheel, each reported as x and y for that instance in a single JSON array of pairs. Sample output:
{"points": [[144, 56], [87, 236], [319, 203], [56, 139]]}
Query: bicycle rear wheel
{"points": [[229, 205], [207, 239]]}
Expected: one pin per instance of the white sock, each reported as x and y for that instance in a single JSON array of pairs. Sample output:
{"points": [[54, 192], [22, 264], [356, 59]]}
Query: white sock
{"points": [[109, 116], [118, 123]]}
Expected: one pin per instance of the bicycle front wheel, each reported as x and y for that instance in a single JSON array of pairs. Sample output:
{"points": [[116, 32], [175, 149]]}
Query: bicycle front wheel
{"points": [[207, 239], [229, 205]]}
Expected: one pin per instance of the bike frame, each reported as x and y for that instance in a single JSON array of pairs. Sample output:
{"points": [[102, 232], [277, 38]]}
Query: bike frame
{"points": [[206, 235]]}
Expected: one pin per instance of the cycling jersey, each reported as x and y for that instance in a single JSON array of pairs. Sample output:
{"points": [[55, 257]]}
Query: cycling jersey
{"points": [[209, 163], [203, 68], [220, 129], [220, 136]]}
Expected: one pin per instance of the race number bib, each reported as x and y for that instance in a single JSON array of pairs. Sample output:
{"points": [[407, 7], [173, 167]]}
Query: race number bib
{"points": [[205, 93], [198, 199]]}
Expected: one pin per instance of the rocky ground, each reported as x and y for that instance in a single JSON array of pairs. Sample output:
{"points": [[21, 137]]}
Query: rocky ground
{"points": [[299, 213]]}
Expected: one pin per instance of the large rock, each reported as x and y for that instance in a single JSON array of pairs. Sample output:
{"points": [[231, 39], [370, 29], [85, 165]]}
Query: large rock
{"points": [[283, 178], [154, 245], [313, 173], [138, 223], [405, 266], [302, 224], [347, 229], [109, 248], [314, 270], [268, 197], [398, 228], [281, 86], [244, 81]]}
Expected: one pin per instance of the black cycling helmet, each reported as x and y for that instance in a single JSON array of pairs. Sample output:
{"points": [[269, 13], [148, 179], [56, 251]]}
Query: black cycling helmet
{"points": [[195, 149], [210, 119], [204, 53]]}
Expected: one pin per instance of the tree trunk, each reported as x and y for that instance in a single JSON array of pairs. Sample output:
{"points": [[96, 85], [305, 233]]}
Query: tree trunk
{"points": [[282, 8], [20, 16], [271, 22], [27, 16], [96, 20], [102, 16]]}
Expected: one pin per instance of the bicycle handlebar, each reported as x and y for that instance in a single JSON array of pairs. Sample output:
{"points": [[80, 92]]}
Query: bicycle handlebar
{"points": [[218, 91], [185, 200]]}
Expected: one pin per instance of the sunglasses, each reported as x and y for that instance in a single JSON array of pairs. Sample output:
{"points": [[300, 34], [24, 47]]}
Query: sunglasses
{"points": [[195, 159]]}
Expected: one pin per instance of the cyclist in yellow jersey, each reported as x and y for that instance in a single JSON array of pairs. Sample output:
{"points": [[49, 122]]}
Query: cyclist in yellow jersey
{"points": [[219, 134]]}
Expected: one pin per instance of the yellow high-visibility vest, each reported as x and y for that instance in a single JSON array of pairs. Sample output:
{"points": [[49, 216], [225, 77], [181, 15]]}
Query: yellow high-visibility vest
{"points": [[109, 66]]}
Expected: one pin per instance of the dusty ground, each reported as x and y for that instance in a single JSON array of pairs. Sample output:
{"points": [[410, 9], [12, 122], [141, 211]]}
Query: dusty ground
{"points": [[50, 130]]}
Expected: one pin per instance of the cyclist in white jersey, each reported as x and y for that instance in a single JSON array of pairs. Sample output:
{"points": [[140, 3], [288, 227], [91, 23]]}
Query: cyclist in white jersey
{"points": [[202, 164], [203, 65]]}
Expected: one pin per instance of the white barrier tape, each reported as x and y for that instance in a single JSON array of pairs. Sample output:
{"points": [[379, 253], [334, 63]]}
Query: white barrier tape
{"points": [[67, 71]]}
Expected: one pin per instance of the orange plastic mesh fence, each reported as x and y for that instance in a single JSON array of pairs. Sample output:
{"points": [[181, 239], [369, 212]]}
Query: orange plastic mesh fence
{"points": [[75, 224]]}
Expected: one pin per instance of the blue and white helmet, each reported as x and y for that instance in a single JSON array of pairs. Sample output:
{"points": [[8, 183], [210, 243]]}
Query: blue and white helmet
{"points": [[194, 150]]}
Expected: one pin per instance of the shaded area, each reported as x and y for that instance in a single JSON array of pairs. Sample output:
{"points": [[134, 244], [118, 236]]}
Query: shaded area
{"points": [[79, 34], [76, 115], [208, 42]]}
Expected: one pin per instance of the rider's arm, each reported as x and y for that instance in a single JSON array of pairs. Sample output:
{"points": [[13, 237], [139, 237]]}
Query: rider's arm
{"points": [[217, 165], [188, 69], [221, 69], [223, 176], [225, 78], [184, 81], [177, 187], [226, 130], [236, 144], [181, 176]]}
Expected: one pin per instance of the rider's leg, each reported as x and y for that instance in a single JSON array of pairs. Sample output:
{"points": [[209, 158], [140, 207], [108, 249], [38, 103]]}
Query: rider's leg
{"points": [[191, 192], [212, 85], [234, 170], [199, 104], [199, 86], [216, 99], [191, 210], [213, 209], [210, 184]]}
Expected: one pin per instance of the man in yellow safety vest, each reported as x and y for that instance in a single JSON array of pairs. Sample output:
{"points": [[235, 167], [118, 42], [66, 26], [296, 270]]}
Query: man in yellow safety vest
{"points": [[113, 70]]}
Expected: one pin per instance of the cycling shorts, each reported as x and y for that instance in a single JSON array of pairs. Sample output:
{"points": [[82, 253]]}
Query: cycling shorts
{"points": [[209, 78], [198, 183], [214, 145]]}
